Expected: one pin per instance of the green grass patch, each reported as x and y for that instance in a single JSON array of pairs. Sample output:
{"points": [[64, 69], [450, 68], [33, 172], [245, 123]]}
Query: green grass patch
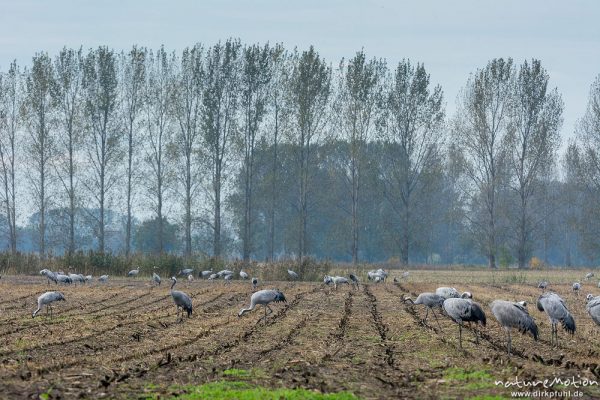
{"points": [[236, 372], [471, 380], [224, 390]]}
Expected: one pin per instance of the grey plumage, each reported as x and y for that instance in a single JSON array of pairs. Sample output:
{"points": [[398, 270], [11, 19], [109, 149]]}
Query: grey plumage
{"points": [[556, 309], [593, 308], [292, 274], [589, 275], [543, 285], [186, 271], [513, 315], [430, 301], [46, 300], [354, 280], [206, 274], [51, 276], [103, 278], [264, 297], [336, 280], [449, 293], [254, 283], [243, 274], [181, 300], [224, 272], [464, 310], [576, 287], [134, 272], [63, 279], [156, 278], [228, 278]]}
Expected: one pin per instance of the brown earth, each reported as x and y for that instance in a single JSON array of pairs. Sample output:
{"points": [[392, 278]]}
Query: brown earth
{"points": [[123, 340]]}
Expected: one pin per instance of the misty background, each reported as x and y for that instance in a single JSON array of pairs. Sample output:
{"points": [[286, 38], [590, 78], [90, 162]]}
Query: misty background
{"points": [[315, 210]]}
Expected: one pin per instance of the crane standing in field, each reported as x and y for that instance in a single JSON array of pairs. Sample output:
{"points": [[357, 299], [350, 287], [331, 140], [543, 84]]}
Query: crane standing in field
{"points": [[254, 283], [355, 281], [464, 310], [46, 300], [589, 275], [134, 272], [514, 315], [543, 285], [576, 288], [593, 307], [292, 274], [554, 306], [156, 278], [181, 300], [103, 279], [243, 274], [430, 301], [264, 297]]}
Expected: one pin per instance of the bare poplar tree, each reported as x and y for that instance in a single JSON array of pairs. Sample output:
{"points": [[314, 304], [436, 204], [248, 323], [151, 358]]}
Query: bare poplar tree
{"points": [[103, 136], [358, 100], [186, 107], [254, 86], [40, 121], [133, 75], [482, 126], [278, 116], [533, 143], [219, 111], [413, 137], [309, 90], [11, 99], [66, 92], [157, 119]]}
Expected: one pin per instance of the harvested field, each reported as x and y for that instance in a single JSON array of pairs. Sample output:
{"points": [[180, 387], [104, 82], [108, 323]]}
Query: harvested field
{"points": [[123, 340]]}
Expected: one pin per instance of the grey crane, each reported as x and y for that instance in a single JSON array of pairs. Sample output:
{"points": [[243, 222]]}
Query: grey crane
{"points": [[464, 310], [292, 274], [103, 279], [593, 307], [405, 274], [355, 281], [156, 278], [336, 280], [206, 274], [576, 288], [264, 297], [77, 278], [556, 309], [254, 283], [88, 278], [63, 279], [514, 315], [228, 278], [46, 300], [190, 277], [213, 277], [134, 272], [430, 301], [243, 274], [589, 275], [377, 275], [224, 272], [543, 285], [51, 276], [181, 300], [186, 271], [449, 293]]}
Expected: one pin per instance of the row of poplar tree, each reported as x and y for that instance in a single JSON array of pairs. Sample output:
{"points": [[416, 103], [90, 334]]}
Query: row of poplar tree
{"points": [[261, 152]]}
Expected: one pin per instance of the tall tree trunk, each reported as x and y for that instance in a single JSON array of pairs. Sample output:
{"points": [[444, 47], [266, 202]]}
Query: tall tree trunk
{"points": [[129, 188], [273, 187]]}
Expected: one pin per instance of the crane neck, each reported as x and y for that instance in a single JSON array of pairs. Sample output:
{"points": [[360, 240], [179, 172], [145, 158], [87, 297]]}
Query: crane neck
{"points": [[173, 284]]}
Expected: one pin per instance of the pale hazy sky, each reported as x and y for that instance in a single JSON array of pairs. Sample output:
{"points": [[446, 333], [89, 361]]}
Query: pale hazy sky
{"points": [[452, 38]]}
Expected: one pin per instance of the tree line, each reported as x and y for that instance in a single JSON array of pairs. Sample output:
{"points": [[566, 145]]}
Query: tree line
{"points": [[260, 152]]}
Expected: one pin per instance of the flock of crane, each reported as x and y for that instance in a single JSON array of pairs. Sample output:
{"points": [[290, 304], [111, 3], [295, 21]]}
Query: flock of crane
{"points": [[459, 307]]}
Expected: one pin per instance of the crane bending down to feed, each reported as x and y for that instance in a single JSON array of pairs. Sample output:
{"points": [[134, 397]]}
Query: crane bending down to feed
{"points": [[355, 281], [464, 310], [429, 300], [514, 315], [554, 306], [46, 300], [243, 275], [181, 300], [292, 274], [264, 297]]}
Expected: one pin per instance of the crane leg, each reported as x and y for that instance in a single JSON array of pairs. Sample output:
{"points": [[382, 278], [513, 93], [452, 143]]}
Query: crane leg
{"points": [[460, 336], [426, 314], [509, 340], [436, 320], [476, 333]]}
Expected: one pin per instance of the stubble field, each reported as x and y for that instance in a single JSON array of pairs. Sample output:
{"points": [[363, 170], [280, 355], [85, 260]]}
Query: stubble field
{"points": [[123, 340]]}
